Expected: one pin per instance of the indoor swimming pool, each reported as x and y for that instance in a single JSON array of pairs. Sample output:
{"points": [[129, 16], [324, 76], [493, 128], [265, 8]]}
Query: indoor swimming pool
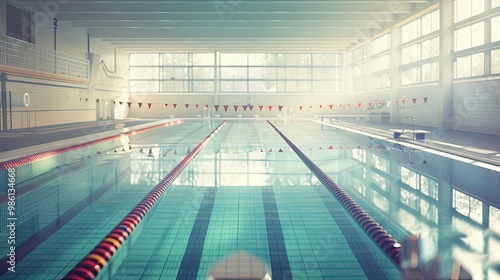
{"points": [[247, 197]]}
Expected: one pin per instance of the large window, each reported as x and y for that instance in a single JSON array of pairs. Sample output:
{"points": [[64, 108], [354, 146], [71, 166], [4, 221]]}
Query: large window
{"points": [[465, 9], [381, 61], [359, 69], [420, 50], [236, 72], [19, 23]]}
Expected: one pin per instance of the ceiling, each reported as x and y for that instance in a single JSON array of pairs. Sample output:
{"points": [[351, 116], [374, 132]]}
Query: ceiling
{"points": [[235, 25]]}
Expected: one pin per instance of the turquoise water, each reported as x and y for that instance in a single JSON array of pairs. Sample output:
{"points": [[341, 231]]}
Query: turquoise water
{"points": [[247, 192]]}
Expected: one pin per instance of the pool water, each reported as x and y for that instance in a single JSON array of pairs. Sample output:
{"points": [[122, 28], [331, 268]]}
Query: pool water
{"points": [[247, 192]]}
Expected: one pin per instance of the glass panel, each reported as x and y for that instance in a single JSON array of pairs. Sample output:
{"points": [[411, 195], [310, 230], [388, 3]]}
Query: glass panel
{"points": [[203, 59], [477, 7], [426, 73], [462, 9], [144, 86], [324, 86], [298, 59], [495, 61], [146, 59], [495, 218], [495, 3], [381, 44], [461, 203], [203, 72], [476, 210], [463, 67], [381, 63], [175, 86], [463, 38], [478, 34], [175, 59], [144, 72], [409, 177], [203, 86], [477, 64], [325, 59], [495, 32], [233, 59]]}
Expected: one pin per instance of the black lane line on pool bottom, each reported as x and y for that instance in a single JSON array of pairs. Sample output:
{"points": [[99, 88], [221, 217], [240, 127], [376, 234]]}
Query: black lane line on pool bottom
{"points": [[364, 256], [32, 243], [194, 249], [280, 266]]}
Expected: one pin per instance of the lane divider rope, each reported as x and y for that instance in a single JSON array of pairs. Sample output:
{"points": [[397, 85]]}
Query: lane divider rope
{"points": [[389, 245], [90, 266]]}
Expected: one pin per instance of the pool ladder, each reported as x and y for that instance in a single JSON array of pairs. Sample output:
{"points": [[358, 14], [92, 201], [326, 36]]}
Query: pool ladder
{"points": [[412, 127]]}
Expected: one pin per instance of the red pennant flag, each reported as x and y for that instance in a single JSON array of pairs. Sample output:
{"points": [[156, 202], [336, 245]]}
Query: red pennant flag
{"points": [[340, 105], [149, 105], [403, 101], [206, 106], [216, 108], [379, 103], [245, 108], [310, 106], [97, 101], [166, 105], [270, 108], [280, 107], [369, 147], [340, 147], [86, 99], [331, 106], [414, 100], [330, 148], [271, 150], [251, 107], [348, 106], [140, 105], [175, 105], [260, 108], [225, 107], [348, 147], [129, 104], [196, 106], [425, 99], [114, 102], [359, 146], [235, 108], [187, 105], [359, 105], [300, 108], [321, 106], [370, 104], [379, 148]]}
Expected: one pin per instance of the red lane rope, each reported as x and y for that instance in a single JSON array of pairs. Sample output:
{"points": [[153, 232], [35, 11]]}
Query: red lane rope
{"points": [[390, 246], [90, 266], [36, 157]]}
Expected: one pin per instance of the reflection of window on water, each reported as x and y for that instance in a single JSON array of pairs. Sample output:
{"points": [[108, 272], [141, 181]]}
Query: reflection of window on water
{"points": [[380, 163], [427, 210], [467, 206], [380, 201], [359, 186], [495, 219], [380, 181], [424, 184]]}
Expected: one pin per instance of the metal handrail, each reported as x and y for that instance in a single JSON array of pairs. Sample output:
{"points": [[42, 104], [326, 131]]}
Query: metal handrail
{"points": [[412, 126]]}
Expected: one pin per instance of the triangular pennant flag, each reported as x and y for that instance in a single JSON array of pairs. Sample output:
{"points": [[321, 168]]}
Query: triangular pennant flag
{"points": [[80, 99], [129, 104], [251, 107], [260, 108], [261, 150], [271, 150], [166, 104], [403, 101], [425, 99], [396, 101], [348, 106], [175, 152], [149, 105], [86, 99], [196, 106], [321, 106], [245, 107], [270, 108], [370, 104], [121, 102], [187, 105], [379, 103], [348, 147], [320, 148], [300, 108], [206, 106], [280, 151], [340, 105], [359, 105], [175, 105], [414, 100], [188, 151], [331, 106], [359, 146], [216, 108], [114, 102], [225, 107], [235, 108], [310, 106], [330, 148], [280, 108], [97, 101], [140, 104]]}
